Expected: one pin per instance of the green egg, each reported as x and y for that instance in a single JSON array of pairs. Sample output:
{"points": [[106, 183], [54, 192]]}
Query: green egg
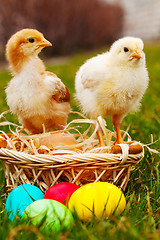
{"points": [[48, 215]]}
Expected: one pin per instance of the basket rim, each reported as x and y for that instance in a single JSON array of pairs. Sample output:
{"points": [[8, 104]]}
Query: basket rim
{"points": [[86, 157]]}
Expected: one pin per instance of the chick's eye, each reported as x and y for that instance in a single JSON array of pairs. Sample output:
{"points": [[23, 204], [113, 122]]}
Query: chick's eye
{"points": [[31, 40], [126, 49]]}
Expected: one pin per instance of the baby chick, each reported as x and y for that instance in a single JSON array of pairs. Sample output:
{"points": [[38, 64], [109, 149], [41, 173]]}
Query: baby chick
{"points": [[113, 83], [36, 96]]}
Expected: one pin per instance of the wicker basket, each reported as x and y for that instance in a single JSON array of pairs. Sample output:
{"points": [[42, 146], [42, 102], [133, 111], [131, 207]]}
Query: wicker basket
{"points": [[45, 170]]}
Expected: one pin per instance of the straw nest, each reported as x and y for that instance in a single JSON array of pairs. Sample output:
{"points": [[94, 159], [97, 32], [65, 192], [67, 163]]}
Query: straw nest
{"points": [[27, 159]]}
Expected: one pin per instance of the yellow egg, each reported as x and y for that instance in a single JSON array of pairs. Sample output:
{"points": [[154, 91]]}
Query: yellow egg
{"points": [[101, 199]]}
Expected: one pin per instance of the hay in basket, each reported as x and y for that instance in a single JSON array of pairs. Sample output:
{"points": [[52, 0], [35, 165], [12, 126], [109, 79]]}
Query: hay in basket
{"points": [[26, 161]]}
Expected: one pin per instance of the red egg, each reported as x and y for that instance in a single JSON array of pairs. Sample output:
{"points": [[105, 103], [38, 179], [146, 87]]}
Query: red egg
{"points": [[61, 192]]}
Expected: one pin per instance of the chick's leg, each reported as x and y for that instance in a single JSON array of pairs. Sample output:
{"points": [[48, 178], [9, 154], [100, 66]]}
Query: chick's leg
{"points": [[100, 137], [134, 149], [117, 122]]}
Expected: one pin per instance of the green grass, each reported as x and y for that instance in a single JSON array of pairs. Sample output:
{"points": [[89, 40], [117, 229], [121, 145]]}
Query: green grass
{"points": [[140, 220]]}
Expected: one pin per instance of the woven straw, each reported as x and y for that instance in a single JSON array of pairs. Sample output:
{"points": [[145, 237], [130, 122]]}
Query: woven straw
{"points": [[45, 171], [74, 166]]}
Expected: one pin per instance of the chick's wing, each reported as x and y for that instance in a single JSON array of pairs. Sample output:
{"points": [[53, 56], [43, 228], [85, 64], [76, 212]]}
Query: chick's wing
{"points": [[92, 72], [91, 80], [58, 90]]}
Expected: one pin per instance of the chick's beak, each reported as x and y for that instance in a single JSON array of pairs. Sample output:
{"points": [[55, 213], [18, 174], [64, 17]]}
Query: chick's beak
{"points": [[138, 53], [44, 43]]}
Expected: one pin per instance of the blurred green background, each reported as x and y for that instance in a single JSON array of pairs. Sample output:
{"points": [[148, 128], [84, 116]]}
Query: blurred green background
{"points": [[78, 31]]}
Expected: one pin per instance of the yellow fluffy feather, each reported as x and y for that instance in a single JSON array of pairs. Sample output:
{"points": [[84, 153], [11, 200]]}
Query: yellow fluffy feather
{"points": [[113, 83], [37, 97]]}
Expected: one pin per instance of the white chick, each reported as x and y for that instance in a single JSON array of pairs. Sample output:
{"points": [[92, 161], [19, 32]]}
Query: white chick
{"points": [[113, 83], [36, 96]]}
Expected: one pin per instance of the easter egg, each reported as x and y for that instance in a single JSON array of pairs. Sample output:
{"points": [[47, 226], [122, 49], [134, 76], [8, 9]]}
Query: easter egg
{"points": [[20, 198], [48, 215], [61, 192], [100, 199]]}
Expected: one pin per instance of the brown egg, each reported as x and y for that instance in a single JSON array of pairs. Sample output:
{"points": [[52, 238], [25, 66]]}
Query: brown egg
{"points": [[58, 139], [133, 149]]}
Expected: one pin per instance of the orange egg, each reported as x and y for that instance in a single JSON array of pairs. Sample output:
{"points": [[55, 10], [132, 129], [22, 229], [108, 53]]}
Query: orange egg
{"points": [[3, 140]]}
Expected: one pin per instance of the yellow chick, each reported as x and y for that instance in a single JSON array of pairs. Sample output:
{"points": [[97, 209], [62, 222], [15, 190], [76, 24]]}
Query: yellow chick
{"points": [[113, 83], [37, 97]]}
